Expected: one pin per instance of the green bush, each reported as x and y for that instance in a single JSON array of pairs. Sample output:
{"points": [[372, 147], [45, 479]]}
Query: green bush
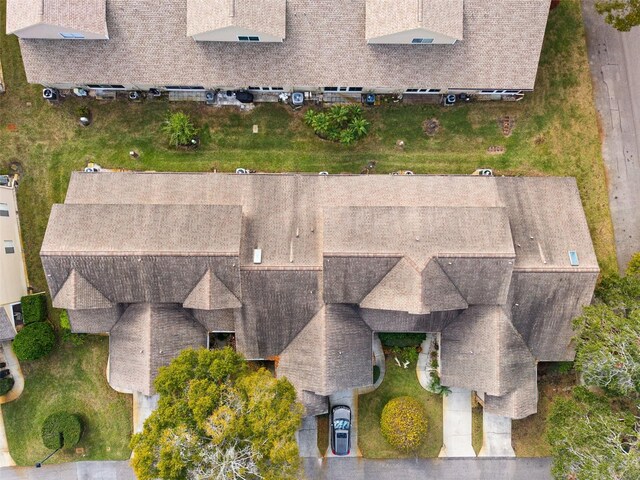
{"points": [[6, 384], [34, 308], [633, 268], [34, 341], [405, 354], [404, 423], [341, 123], [376, 373], [436, 387], [76, 339], [61, 429], [179, 129], [402, 339]]}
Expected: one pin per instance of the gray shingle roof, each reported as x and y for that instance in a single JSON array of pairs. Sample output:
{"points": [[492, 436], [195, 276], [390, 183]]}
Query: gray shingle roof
{"points": [[340, 260], [386, 17], [267, 16], [325, 46], [7, 330], [82, 15], [146, 338]]}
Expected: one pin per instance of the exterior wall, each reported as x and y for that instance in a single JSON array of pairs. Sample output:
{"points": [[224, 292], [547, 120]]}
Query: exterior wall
{"points": [[231, 34], [13, 278], [53, 32], [407, 36]]}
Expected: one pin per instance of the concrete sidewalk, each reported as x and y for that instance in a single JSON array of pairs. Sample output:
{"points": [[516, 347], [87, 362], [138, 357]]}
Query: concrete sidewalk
{"points": [[71, 471], [496, 436]]}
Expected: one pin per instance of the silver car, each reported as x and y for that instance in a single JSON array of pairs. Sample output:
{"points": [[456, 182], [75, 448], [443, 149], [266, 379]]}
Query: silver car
{"points": [[341, 430]]}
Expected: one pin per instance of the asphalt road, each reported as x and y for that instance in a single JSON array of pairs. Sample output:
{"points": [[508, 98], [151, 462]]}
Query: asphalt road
{"points": [[615, 68], [327, 469]]}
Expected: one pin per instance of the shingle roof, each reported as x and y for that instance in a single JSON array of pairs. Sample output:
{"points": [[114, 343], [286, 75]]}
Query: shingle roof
{"points": [[211, 294], [267, 16], [95, 321], [7, 330], [81, 15], [386, 17], [146, 338], [78, 294], [481, 350], [325, 46]]}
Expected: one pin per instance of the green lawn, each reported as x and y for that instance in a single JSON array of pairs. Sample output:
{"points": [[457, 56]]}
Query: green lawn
{"points": [[397, 382], [72, 379]]}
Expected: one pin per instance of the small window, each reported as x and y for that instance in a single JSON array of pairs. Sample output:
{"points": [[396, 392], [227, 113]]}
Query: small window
{"points": [[244, 38], [183, 87], [418, 41], [9, 247], [330, 89], [342, 89], [4, 210], [71, 35], [16, 311], [278, 89], [434, 90], [253, 88], [107, 87], [411, 90], [355, 89]]}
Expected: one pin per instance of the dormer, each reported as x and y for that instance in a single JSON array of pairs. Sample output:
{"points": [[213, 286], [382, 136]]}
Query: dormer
{"points": [[58, 19], [414, 22], [237, 20]]}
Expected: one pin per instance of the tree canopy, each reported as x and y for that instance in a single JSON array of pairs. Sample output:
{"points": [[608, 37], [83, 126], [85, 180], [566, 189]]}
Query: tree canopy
{"points": [[218, 419], [621, 14]]}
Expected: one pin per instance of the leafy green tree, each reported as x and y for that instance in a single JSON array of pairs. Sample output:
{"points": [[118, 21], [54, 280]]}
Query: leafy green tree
{"points": [[179, 129], [217, 419], [589, 440], [621, 14]]}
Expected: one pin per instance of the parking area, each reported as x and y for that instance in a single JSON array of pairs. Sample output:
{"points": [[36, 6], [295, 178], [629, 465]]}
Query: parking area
{"points": [[350, 399]]}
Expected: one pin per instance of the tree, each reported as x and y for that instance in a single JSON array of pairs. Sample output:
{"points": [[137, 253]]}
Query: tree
{"points": [[590, 440], [179, 129], [621, 14], [217, 419]]}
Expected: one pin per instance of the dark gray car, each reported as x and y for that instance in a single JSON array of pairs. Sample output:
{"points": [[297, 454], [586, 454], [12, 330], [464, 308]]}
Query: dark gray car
{"points": [[341, 430]]}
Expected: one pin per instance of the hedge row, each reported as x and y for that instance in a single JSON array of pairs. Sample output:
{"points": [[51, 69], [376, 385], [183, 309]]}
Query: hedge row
{"points": [[34, 308], [402, 339], [61, 429], [6, 384], [34, 341]]}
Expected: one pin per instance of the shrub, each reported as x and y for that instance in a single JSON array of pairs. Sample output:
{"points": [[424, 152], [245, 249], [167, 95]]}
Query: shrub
{"points": [[402, 339], [404, 423], [405, 354], [83, 111], [76, 339], [633, 268], [6, 384], [376, 373], [436, 387], [341, 123], [61, 429], [34, 341], [179, 129], [34, 308]]}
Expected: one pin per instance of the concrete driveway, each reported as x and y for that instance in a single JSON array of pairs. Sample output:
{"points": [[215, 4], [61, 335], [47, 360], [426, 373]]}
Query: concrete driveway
{"points": [[615, 70], [350, 399], [456, 424]]}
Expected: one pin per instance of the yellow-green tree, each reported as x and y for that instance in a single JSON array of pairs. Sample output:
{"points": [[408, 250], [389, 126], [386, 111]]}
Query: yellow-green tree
{"points": [[621, 14], [218, 419]]}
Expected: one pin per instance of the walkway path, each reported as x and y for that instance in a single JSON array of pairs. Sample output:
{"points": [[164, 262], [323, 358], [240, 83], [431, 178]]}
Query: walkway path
{"points": [[615, 70], [16, 391], [496, 436], [307, 438], [456, 424], [71, 471]]}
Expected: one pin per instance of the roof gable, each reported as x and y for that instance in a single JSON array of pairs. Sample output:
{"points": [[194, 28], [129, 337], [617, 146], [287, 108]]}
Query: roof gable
{"points": [[78, 294], [442, 21], [211, 294], [399, 290], [50, 18], [438, 291], [224, 20]]}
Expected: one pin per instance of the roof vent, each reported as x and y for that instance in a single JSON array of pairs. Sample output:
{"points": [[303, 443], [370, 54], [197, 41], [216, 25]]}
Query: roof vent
{"points": [[257, 255], [573, 258]]}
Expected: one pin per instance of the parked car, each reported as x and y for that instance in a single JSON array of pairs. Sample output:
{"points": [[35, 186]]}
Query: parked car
{"points": [[341, 430]]}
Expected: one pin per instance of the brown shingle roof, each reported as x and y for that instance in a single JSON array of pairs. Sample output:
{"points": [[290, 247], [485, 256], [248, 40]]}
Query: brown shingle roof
{"points": [[81, 15], [325, 46], [386, 17], [7, 330], [266, 16], [78, 294], [211, 294]]}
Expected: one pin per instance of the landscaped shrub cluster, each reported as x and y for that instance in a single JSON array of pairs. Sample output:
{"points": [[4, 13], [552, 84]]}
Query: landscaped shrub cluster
{"points": [[402, 339], [405, 354], [61, 429], [67, 335], [6, 384], [404, 423], [34, 341], [179, 129], [340, 123], [34, 308]]}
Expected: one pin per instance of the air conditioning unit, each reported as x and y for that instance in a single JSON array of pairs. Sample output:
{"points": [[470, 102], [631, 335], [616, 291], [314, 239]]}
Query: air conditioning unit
{"points": [[297, 98], [50, 94], [210, 97], [135, 95]]}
